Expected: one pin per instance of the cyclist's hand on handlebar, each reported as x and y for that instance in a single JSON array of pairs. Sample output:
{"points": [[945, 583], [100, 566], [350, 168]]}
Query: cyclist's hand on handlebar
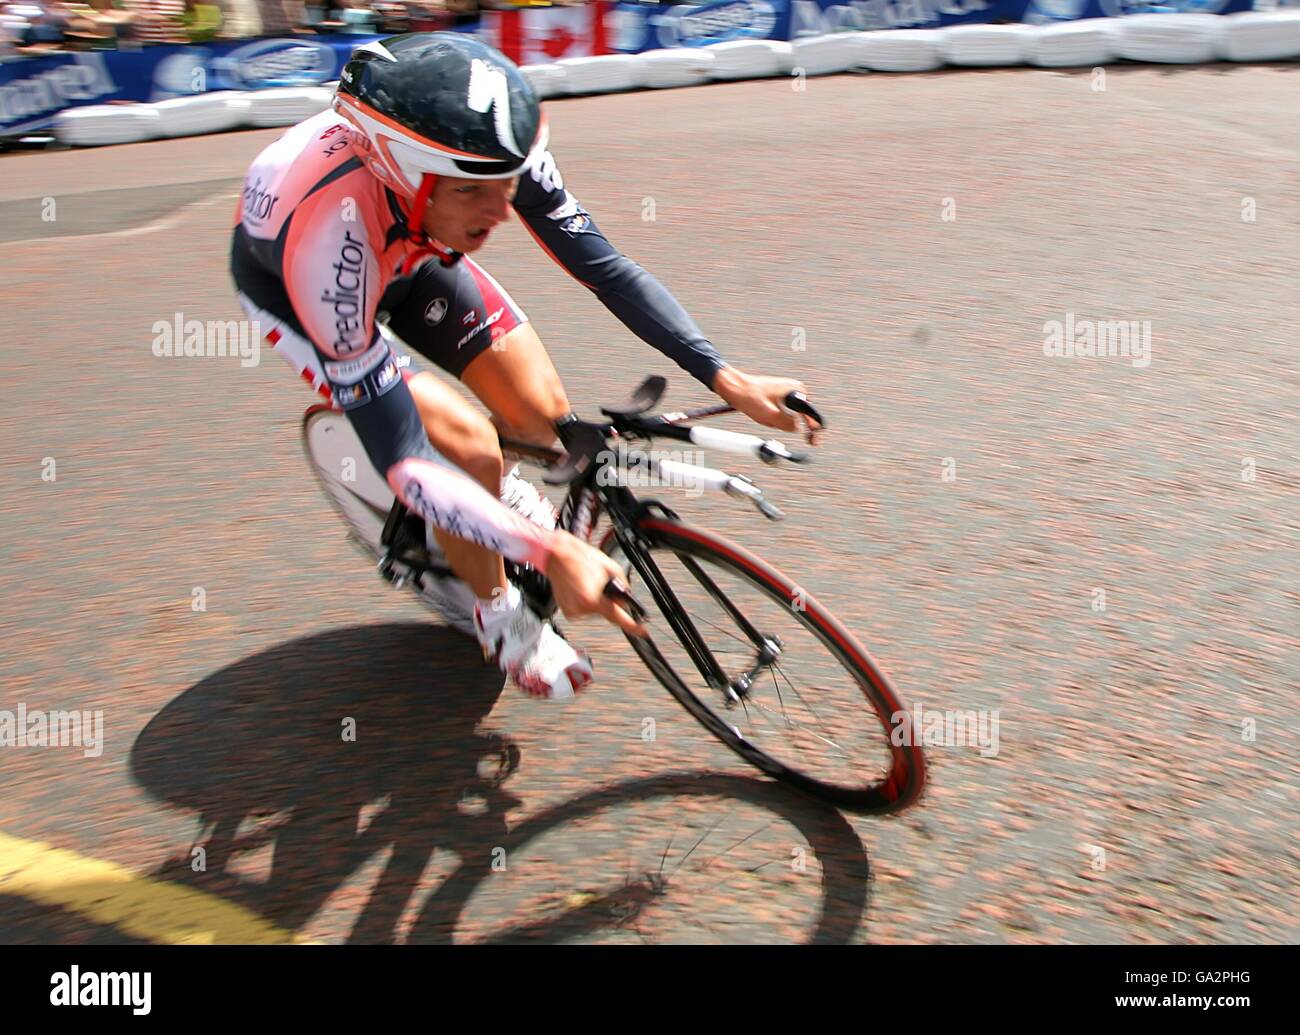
{"points": [[759, 398], [579, 574]]}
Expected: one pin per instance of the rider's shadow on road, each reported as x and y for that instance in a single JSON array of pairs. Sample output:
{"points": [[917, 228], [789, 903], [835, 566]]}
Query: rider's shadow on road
{"points": [[312, 732], [293, 747]]}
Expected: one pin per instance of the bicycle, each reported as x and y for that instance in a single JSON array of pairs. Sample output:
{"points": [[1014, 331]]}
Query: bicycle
{"points": [[717, 680]]}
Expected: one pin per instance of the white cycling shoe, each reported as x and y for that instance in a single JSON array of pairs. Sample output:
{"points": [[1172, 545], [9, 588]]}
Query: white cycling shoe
{"points": [[521, 496], [453, 598], [539, 660]]}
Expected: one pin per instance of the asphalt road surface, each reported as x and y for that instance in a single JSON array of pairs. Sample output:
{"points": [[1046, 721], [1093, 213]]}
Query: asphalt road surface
{"points": [[1096, 555]]}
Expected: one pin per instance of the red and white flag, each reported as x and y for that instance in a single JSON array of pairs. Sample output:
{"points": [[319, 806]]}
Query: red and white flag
{"points": [[538, 35]]}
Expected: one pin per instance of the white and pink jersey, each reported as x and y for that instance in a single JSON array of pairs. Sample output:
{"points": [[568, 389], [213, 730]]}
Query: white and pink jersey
{"points": [[320, 245], [318, 239]]}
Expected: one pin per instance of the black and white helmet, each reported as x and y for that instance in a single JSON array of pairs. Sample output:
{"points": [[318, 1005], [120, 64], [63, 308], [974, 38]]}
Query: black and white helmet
{"points": [[442, 104]]}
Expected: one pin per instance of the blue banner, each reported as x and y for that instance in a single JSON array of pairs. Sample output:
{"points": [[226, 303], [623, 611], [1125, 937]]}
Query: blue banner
{"points": [[641, 27], [34, 90], [816, 17]]}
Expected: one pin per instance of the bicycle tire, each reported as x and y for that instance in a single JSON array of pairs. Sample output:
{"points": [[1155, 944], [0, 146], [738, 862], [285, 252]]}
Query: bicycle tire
{"points": [[904, 779], [444, 595]]}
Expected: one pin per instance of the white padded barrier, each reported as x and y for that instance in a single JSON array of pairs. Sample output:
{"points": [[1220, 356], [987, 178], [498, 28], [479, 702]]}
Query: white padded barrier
{"points": [[1165, 38], [609, 73], [202, 113], [98, 124], [681, 66], [1259, 36], [983, 46], [1082, 44], [751, 59], [898, 50], [1174, 39], [548, 80], [285, 106], [827, 55]]}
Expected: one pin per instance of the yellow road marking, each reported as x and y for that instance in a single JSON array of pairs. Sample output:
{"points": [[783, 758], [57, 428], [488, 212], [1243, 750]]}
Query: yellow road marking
{"points": [[145, 907]]}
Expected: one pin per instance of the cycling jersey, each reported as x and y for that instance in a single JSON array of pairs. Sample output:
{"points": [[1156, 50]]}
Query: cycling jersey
{"points": [[320, 244]]}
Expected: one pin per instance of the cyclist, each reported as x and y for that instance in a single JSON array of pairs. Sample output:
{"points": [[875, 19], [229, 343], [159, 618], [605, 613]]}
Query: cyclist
{"points": [[367, 214]]}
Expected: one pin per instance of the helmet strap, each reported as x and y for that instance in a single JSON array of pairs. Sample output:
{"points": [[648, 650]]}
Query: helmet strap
{"points": [[415, 221], [415, 229]]}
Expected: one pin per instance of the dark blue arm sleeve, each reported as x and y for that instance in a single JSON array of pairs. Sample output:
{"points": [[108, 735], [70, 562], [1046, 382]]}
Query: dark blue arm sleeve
{"points": [[644, 305]]}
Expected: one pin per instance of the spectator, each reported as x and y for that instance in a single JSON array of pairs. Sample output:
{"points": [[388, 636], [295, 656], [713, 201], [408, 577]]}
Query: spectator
{"points": [[239, 19], [158, 21], [202, 21], [110, 13], [282, 17], [394, 19], [357, 17], [87, 29], [37, 23], [428, 17]]}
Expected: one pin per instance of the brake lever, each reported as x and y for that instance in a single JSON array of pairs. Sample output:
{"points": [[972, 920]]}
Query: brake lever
{"points": [[582, 444], [771, 451], [619, 592], [743, 488], [798, 402]]}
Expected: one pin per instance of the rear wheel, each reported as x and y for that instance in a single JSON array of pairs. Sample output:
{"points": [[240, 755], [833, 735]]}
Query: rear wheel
{"points": [[363, 499], [794, 694]]}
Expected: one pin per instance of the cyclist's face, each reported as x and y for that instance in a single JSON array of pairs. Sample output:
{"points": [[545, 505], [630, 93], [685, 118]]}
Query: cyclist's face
{"points": [[462, 213]]}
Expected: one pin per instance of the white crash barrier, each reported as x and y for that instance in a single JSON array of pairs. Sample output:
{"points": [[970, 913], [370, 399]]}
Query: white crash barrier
{"points": [[285, 106], [610, 73], [899, 50], [1259, 36], [983, 46], [681, 66], [827, 55], [1082, 44], [1173, 39], [1165, 38], [751, 59], [202, 113], [99, 124], [549, 80]]}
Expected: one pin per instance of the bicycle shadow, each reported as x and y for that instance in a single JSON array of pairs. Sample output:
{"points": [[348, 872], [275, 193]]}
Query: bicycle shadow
{"points": [[313, 733], [844, 866], [291, 750]]}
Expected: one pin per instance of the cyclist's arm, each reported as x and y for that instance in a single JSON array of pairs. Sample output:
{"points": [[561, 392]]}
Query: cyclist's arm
{"points": [[567, 233], [333, 280]]}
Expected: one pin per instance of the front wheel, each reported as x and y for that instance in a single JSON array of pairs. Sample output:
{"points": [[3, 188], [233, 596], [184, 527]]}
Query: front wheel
{"points": [[769, 671]]}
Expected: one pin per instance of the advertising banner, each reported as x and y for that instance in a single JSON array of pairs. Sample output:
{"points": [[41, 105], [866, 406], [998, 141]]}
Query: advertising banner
{"points": [[34, 90]]}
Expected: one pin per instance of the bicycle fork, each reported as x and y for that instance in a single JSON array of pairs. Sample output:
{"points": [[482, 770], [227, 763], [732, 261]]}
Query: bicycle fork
{"points": [[732, 689]]}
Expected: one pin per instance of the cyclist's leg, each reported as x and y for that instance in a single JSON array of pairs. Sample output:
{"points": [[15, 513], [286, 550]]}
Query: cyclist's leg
{"points": [[461, 434], [469, 440], [517, 381], [465, 322], [457, 430], [450, 315]]}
